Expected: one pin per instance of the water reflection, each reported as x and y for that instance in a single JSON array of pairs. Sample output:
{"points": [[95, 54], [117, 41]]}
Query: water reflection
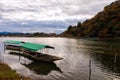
{"points": [[42, 67], [108, 63], [38, 67], [105, 54]]}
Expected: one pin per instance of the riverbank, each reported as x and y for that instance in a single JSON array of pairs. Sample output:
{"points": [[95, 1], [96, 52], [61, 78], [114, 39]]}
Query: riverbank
{"points": [[6, 73]]}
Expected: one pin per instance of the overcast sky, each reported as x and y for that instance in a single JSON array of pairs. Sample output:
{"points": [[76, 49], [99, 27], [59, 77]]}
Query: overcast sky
{"points": [[46, 15]]}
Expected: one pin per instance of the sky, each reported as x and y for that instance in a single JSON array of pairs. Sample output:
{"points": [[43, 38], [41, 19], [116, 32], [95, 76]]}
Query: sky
{"points": [[46, 15]]}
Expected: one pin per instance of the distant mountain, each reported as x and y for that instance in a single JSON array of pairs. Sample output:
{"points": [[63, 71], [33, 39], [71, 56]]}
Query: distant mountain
{"points": [[5, 33], [19, 34], [105, 24]]}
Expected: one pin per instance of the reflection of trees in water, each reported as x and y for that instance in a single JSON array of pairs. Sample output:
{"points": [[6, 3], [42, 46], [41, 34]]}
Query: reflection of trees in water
{"points": [[42, 67], [111, 57], [108, 62], [106, 53]]}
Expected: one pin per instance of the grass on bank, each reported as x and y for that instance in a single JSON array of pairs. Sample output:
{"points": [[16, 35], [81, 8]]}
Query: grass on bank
{"points": [[7, 74]]}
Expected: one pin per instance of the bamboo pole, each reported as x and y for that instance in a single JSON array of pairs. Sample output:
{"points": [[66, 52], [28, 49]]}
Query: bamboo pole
{"points": [[89, 69], [115, 58]]}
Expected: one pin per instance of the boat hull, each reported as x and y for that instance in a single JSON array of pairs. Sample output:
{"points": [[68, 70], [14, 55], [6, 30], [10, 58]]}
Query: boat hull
{"points": [[32, 54]]}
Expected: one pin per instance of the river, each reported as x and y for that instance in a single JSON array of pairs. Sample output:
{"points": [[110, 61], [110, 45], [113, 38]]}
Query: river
{"points": [[83, 59]]}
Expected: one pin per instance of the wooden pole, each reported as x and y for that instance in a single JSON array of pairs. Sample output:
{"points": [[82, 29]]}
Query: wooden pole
{"points": [[115, 58], [89, 69]]}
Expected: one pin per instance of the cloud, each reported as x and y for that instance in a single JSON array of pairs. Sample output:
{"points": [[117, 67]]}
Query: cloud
{"points": [[47, 13], [50, 10]]}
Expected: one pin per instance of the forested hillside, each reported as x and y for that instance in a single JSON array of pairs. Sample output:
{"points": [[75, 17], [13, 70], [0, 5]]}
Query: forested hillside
{"points": [[106, 24]]}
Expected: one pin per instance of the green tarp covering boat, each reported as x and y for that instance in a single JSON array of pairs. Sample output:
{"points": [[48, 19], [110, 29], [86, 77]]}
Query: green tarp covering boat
{"points": [[28, 45], [33, 46]]}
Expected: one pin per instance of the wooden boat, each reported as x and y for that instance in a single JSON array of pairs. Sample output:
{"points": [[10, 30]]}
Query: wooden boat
{"points": [[31, 52]]}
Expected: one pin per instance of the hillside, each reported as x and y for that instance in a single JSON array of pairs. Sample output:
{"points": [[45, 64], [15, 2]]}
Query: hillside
{"points": [[106, 24]]}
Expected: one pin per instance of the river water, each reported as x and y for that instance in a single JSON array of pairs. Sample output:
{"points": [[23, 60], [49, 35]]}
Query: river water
{"points": [[83, 59]]}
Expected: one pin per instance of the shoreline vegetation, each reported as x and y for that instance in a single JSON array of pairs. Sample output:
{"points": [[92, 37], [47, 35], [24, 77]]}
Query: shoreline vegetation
{"points": [[42, 34], [36, 34], [6, 73]]}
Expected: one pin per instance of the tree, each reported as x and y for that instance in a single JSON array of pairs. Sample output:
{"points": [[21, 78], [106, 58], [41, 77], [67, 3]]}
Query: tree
{"points": [[69, 28], [103, 33], [79, 24]]}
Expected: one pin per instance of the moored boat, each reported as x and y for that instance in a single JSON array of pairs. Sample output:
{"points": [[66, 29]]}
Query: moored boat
{"points": [[30, 50]]}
